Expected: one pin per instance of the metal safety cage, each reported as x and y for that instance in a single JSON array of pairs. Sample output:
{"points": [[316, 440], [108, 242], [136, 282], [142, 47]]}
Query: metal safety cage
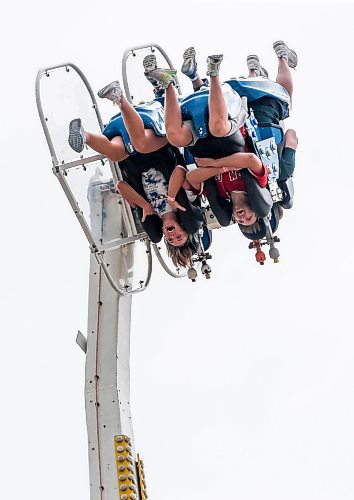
{"points": [[100, 190], [132, 52], [177, 273]]}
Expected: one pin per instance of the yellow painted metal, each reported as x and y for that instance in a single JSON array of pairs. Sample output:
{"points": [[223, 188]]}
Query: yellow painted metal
{"points": [[126, 472], [141, 478]]}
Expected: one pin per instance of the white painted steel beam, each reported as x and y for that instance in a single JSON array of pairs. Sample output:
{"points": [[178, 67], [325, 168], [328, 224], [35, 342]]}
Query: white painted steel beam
{"points": [[107, 384]]}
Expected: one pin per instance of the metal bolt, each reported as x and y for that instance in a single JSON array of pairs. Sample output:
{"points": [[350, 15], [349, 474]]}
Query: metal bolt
{"points": [[120, 448], [131, 468], [119, 439], [121, 468], [124, 487], [132, 477], [122, 477], [124, 497], [121, 458], [128, 448]]}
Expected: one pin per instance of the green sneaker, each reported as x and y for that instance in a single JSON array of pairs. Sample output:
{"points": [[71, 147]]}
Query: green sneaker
{"points": [[213, 64], [163, 76]]}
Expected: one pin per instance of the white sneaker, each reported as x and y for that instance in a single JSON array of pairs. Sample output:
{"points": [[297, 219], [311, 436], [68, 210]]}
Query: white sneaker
{"points": [[283, 51], [253, 64], [112, 91]]}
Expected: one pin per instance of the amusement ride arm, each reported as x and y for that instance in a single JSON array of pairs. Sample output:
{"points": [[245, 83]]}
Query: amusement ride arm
{"points": [[199, 175], [236, 161]]}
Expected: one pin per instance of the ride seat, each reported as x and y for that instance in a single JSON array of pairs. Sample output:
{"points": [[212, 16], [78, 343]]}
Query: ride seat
{"points": [[195, 107], [152, 115]]}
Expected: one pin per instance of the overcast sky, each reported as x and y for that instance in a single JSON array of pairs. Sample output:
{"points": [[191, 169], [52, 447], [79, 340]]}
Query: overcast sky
{"points": [[242, 386]]}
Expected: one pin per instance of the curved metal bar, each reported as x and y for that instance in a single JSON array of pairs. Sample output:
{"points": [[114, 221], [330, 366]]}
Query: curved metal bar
{"points": [[164, 265], [116, 174], [121, 290], [43, 71], [59, 171], [129, 51]]}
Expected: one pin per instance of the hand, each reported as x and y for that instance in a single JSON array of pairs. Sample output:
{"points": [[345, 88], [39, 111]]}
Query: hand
{"points": [[175, 204], [205, 162], [147, 210]]}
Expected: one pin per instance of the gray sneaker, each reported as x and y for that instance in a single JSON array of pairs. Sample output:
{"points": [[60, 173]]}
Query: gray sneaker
{"points": [[189, 66], [253, 64], [213, 64], [76, 138], [283, 51], [149, 63], [112, 91], [163, 76]]}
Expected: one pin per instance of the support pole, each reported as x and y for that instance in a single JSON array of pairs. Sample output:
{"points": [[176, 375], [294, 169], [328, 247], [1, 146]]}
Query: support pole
{"points": [[107, 386]]}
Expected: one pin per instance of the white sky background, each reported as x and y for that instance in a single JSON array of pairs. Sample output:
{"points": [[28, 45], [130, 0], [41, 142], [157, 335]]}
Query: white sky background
{"points": [[242, 386]]}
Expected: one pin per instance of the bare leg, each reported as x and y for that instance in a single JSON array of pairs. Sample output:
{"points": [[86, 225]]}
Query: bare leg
{"points": [[114, 149], [252, 73], [178, 134], [219, 124], [197, 83], [284, 77], [143, 140], [291, 139]]}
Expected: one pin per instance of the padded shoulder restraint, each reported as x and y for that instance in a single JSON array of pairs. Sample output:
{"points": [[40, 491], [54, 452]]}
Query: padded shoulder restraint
{"points": [[268, 130], [195, 107], [259, 198], [221, 207], [255, 88], [152, 115]]}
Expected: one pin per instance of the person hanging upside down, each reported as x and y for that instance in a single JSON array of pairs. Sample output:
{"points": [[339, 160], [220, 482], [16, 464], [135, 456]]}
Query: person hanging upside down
{"points": [[155, 176], [267, 109], [270, 109], [224, 142]]}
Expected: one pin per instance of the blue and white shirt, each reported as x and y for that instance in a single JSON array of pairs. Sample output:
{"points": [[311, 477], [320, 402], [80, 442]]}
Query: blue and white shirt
{"points": [[156, 188]]}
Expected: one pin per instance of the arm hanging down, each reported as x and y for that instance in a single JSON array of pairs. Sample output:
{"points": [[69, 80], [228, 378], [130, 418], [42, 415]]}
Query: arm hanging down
{"points": [[178, 180], [134, 199]]}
